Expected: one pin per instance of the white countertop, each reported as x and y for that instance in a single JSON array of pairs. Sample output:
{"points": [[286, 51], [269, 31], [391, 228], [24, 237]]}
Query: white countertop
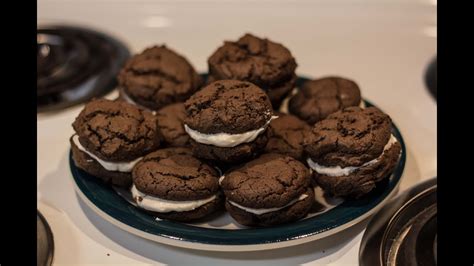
{"points": [[385, 46]]}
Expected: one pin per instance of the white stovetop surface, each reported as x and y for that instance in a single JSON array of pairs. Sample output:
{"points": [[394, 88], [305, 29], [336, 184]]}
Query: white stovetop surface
{"points": [[384, 45]]}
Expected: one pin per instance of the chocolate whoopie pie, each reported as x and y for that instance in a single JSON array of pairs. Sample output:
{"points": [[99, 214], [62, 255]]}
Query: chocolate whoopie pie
{"points": [[262, 62], [352, 150], [272, 189], [227, 121], [111, 136], [157, 77], [172, 184], [287, 135], [170, 122], [318, 98]]}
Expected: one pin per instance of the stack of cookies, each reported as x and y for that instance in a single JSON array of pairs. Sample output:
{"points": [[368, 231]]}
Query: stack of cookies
{"points": [[111, 137], [227, 121], [156, 77], [187, 149], [318, 98], [262, 62]]}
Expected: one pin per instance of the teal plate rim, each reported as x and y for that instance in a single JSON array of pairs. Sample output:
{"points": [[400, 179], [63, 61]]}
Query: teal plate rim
{"points": [[106, 201]]}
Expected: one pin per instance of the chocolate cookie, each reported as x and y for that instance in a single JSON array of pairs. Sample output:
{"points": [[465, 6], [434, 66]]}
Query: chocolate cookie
{"points": [[287, 135], [170, 122], [227, 119], [319, 98], [157, 77], [174, 185], [279, 92], [352, 150], [110, 138], [270, 190], [267, 64]]}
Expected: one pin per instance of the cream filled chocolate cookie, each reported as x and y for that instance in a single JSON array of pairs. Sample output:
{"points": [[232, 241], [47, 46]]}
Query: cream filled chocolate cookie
{"points": [[172, 184], [318, 98], [227, 121], [156, 77], [111, 137], [267, 64], [270, 190], [352, 150]]}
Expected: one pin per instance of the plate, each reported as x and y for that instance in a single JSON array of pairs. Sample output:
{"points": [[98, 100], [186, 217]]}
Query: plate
{"points": [[225, 235]]}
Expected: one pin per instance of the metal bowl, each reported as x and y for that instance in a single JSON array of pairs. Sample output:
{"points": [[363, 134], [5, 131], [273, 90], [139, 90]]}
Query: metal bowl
{"points": [[44, 241], [404, 232]]}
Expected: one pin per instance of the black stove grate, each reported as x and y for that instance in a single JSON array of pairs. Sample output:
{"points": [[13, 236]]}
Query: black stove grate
{"points": [[74, 65]]}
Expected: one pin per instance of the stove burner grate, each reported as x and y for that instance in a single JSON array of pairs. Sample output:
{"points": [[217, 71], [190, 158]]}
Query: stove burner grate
{"points": [[74, 65]]}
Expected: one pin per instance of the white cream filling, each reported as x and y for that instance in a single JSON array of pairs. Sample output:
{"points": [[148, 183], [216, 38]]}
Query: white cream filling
{"points": [[262, 211], [110, 166], [225, 139], [221, 179], [339, 171], [155, 204], [284, 104], [362, 104]]}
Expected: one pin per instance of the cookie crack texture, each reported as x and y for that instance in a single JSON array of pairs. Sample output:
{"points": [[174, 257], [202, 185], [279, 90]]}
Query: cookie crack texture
{"points": [[250, 58], [158, 76], [174, 174], [181, 186], [116, 131], [228, 106], [110, 134], [350, 137], [272, 180]]}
